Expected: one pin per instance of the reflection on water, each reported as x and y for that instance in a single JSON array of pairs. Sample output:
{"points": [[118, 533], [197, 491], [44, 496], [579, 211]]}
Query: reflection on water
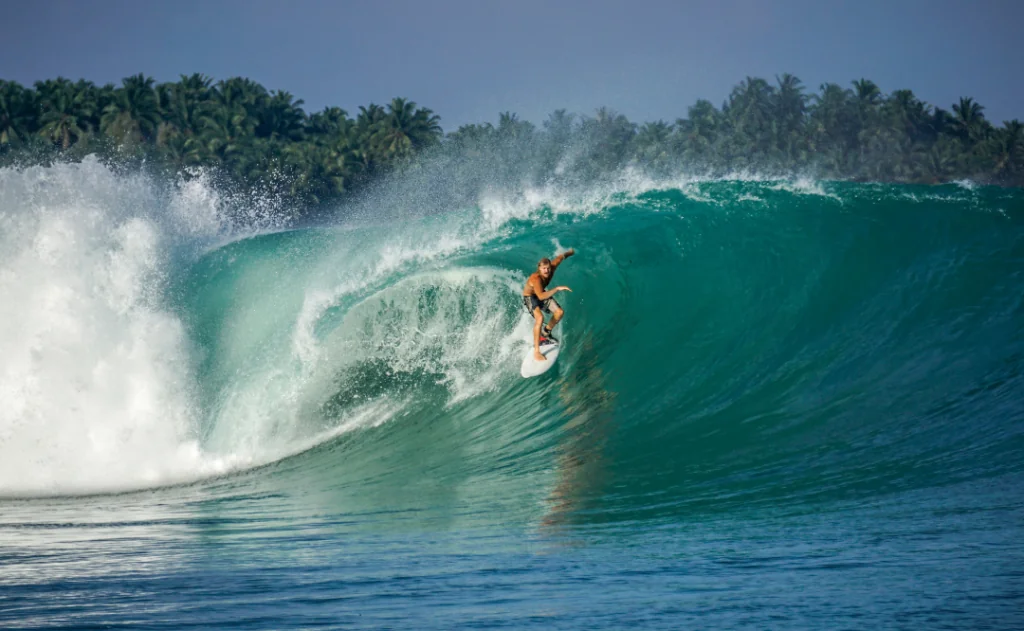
{"points": [[580, 459]]}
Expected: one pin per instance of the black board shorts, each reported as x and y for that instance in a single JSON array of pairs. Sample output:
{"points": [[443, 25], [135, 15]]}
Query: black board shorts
{"points": [[531, 302]]}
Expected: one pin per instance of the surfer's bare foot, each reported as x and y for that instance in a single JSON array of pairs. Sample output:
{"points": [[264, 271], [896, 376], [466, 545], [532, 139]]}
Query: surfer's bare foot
{"points": [[539, 356]]}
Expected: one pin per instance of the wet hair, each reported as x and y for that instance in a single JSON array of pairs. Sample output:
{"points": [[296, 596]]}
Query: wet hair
{"points": [[544, 261]]}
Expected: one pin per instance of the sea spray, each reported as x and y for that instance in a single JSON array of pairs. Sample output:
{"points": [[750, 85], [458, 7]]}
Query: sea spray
{"points": [[97, 373]]}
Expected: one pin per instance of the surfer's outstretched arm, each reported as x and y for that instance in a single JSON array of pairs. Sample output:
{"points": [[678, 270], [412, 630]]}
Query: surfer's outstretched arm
{"points": [[535, 286], [544, 295], [558, 260]]}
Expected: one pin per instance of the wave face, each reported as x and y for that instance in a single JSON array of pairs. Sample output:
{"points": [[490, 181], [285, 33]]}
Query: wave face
{"points": [[735, 341], [733, 350]]}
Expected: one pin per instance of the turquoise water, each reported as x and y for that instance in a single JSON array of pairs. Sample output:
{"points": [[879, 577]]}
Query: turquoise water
{"points": [[780, 404]]}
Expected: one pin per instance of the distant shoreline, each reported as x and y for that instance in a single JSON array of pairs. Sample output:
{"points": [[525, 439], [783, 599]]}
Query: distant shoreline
{"points": [[261, 137]]}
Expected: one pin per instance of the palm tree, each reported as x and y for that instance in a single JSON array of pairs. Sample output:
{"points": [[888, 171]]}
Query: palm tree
{"points": [[196, 84], [906, 113], [867, 92], [342, 161], [239, 91], [790, 100], [968, 120], [749, 113], [370, 115], [281, 117], [700, 130], [830, 117], [94, 99], [892, 143], [472, 135], [404, 129], [652, 138], [16, 113], [1008, 150], [942, 161], [560, 124], [790, 109], [610, 136], [183, 103], [652, 145], [472, 140], [181, 149], [511, 127], [63, 112], [939, 123], [226, 132], [242, 101], [558, 135], [328, 122], [134, 114]]}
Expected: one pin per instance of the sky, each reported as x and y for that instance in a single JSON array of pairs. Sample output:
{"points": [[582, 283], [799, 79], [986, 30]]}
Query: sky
{"points": [[469, 60]]}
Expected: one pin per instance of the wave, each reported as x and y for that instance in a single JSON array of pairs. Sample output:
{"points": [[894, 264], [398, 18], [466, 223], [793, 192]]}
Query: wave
{"points": [[728, 341]]}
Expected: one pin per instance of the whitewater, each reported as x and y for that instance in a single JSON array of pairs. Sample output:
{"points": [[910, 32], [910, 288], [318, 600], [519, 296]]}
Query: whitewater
{"points": [[782, 402]]}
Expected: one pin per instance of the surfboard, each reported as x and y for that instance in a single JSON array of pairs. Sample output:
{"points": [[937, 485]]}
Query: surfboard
{"points": [[531, 367]]}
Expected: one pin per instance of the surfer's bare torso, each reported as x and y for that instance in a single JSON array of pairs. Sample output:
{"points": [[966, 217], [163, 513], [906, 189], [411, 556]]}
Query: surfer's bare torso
{"points": [[536, 283]]}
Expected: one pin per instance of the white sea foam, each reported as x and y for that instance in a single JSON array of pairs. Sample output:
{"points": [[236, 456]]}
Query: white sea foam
{"points": [[96, 376], [97, 372]]}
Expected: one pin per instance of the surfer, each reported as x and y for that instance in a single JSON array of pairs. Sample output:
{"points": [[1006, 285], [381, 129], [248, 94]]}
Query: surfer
{"points": [[538, 301]]}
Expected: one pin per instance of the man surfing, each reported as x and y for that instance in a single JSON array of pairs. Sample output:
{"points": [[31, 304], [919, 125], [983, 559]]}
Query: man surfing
{"points": [[539, 301]]}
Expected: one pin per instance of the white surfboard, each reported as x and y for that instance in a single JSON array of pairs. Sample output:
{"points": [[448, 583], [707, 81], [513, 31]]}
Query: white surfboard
{"points": [[531, 367]]}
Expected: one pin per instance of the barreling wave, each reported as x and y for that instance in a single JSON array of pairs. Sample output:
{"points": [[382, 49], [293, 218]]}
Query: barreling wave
{"points": [[728, 343]]}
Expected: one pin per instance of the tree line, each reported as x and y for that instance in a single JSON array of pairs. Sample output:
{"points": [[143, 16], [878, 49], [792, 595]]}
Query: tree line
{"points": [[253, 135]]}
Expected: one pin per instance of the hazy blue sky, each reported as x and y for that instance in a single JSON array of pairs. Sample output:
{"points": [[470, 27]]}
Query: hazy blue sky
{"points": [[469, 60]]}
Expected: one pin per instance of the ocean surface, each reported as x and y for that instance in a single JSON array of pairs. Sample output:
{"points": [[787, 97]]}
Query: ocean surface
{"points": [[781, 403]]}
